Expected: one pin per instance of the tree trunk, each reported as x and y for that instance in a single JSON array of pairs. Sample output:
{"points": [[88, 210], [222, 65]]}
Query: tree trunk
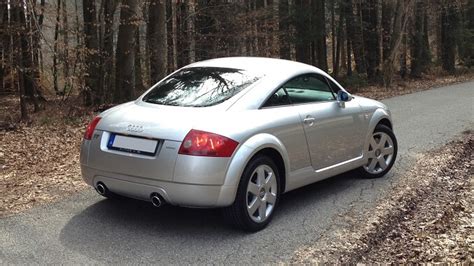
{"points": [[3, 41], [420, 50], [79, 47], [174, 36], [29, 68], [275, 6], [56, 47], [468, 53], [303, 31], [354, 32], [138, 66], [37, 62], [92, 91], [284, 29], [399, 26], [387, 26], [349, 33], [319, 20], [371, 38], [449, 27], [340, 41], [157, 44], [379, 36], [190, 27], [333, 38], [403, 57], [17, 30], [125, 54], [107, 80], [65, 30]]}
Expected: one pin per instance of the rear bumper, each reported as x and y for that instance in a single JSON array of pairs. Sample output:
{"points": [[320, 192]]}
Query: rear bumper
{"points": [[180, 194]]}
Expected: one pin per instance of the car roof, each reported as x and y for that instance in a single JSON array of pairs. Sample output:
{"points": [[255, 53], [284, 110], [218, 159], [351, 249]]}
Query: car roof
{"points": [[263, 65]]}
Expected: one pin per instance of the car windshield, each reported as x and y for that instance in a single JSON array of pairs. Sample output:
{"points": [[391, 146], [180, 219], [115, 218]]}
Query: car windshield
{"points": [[200, 86]]}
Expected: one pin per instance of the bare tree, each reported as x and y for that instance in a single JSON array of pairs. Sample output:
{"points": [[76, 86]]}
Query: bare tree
{"points": [[157, 45], [18, 39], [125, 54], [399, 25], [92, 91]]}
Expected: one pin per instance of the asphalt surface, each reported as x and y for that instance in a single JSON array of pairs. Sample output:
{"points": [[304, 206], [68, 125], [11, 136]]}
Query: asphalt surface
{"points": [[86, 229]]}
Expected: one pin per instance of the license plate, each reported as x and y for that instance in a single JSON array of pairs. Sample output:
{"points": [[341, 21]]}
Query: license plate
{"points": [[132, 144]]}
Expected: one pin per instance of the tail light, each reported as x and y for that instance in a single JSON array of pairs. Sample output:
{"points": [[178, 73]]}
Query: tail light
{"points": [[201, 143], [91, 127]]}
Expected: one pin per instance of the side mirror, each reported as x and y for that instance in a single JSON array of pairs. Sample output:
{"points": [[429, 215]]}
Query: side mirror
{"points": [[343, 96]]}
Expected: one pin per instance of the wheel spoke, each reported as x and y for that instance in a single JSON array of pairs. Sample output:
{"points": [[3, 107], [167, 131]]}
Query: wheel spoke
{"points": [[262, 210], [372, 165], [260, 176], [382, 141], [253, 188], [373, 143], [271, 198], [382, 163], [371, 154], [387, 151], [269, 181], [254, 205]]}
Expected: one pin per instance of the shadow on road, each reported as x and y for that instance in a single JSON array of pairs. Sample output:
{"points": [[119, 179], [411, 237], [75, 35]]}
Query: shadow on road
{"points": [[122, 229]]}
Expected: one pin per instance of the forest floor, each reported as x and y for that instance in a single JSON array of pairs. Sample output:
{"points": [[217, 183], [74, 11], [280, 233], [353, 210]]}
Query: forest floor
{"points": [[401, 87], [427, 217], [39, 160]]}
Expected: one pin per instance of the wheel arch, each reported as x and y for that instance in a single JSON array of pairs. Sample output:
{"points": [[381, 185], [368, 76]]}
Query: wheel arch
{"points": [[279, 162], [386, 122], [380, 116], [262, 143]]}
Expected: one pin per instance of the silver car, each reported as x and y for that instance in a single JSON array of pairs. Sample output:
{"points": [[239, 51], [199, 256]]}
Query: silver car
{"points": [[236, 133]]}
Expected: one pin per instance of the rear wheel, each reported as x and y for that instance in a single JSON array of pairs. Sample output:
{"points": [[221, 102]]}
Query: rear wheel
{"points": [[257, 195], [381, 153]]}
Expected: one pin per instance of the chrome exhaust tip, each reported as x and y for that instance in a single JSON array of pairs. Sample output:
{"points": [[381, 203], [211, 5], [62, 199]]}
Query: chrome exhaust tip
{"points": [[101, 189], [156, 200]]}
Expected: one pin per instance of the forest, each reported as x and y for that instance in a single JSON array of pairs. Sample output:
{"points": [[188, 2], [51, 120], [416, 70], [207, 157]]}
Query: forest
{"points": [[107, 51]]}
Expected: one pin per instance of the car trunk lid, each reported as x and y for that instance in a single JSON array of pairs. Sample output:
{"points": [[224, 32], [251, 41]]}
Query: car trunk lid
{"points": [[141, 139]]}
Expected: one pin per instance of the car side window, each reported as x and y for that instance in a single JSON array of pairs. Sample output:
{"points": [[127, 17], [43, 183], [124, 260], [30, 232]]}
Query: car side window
{"points": [[278, 98], [309, 88], [334, 87]]}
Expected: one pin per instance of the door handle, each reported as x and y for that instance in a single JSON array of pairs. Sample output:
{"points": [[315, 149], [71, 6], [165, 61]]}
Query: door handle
{"points": [[309, 120]]}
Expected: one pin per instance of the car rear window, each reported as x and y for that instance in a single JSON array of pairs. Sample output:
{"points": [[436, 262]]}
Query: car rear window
{"points": [[200, 86]]}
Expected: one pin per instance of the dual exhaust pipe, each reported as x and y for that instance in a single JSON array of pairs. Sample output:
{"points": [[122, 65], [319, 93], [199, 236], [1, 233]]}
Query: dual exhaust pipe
{"points": [[101, 189], [156, 199]]}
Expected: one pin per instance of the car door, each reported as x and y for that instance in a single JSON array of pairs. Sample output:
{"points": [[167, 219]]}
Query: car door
{"points": [[334, 131], [286, 125]]}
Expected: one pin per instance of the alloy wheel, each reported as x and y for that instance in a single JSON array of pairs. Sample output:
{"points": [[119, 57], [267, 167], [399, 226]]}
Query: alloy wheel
{"points": [[261, 193], [380, 153]]}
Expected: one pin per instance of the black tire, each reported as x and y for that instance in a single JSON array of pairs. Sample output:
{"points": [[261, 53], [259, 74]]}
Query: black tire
{"points": [[361, 171], [237, 214]]}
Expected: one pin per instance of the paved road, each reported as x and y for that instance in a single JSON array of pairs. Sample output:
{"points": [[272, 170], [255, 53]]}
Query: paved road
{"points": [[87, 229]]}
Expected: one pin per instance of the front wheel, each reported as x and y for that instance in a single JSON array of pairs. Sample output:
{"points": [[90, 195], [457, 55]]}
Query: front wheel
{"points": [[257, 195], [381, 153]]}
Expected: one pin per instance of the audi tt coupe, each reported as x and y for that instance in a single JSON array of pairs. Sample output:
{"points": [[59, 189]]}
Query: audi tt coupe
{"points": [[235, 133]]}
